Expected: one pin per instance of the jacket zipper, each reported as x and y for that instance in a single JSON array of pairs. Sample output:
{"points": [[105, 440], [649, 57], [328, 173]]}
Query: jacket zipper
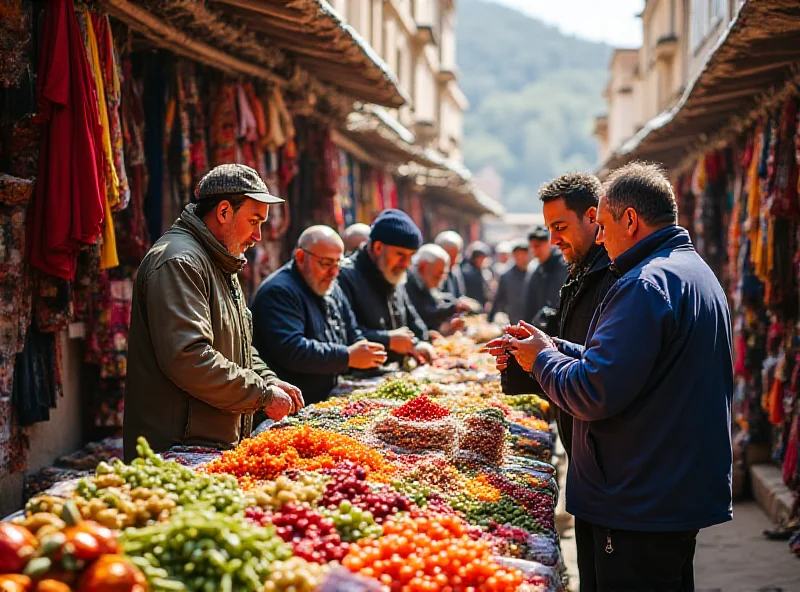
{"points": [[609, 546], [247, 418]]}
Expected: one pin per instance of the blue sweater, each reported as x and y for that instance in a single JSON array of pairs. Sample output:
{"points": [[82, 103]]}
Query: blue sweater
{"points": [[651, 395], [303, 337]]}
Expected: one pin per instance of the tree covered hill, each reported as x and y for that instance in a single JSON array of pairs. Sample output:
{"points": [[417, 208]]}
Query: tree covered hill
{"points": [[534, 93]]}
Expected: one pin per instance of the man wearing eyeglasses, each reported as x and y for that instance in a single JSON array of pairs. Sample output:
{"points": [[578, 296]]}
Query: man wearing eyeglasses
{"points": [[373, 280], [304, 326]]}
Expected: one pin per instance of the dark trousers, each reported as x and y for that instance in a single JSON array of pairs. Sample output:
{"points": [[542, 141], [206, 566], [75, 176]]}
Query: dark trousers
{"points": [[626, 561]]}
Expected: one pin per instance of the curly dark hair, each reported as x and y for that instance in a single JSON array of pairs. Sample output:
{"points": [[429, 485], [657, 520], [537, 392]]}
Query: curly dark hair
{"points": [[580, 191], [644, 187]]}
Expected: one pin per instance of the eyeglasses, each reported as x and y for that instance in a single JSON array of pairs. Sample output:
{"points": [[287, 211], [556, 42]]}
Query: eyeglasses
{"points": [[324, 262]]}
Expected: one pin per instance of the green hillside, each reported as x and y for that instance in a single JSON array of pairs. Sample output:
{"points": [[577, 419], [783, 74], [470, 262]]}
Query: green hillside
{"points": [[533, 93]]}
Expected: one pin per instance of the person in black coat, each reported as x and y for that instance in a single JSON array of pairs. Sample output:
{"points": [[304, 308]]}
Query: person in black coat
{"points": [[476, 278], [510, 295], [453, 244], [373, 281], [543, 285], [570, 210], [303, 324], [425, 280]]}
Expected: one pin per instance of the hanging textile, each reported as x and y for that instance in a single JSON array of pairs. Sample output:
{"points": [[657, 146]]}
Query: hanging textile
{"points": [[15, 293], [14, 38], [111, 83], [194, 106], [68, 207], [36, 385], [108, 251], [224, 125], [13, 441], [132, 245], [248, 130], [154, 114]]}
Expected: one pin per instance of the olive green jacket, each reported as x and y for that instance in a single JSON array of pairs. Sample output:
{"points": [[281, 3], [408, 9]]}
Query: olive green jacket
{"points": [[193, 375]]}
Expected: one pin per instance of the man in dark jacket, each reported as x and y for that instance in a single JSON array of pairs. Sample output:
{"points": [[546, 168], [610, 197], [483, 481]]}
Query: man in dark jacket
{"points": [[425, 279], [452, 242], [650, 392], [304, 327], [510, 295], [545, 280], [193, 375], [570, 211], [476, 277], [373, 281]]}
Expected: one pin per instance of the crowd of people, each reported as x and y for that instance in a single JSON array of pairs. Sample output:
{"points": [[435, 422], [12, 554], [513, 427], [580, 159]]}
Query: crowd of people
{"points": [[610, 314]]}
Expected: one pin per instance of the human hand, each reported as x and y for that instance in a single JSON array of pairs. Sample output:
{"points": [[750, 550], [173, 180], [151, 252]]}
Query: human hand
{"points": [[424, 352], [295, 394], [365, 355], [280, 405], [401, 340], [456, 323], [464, 304], [526, 350], [435, 335], [498, 348]]}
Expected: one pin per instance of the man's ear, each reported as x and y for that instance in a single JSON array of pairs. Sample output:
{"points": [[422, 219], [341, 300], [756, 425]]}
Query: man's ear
{"points": [[591, 213], [631, 219], [224, 211]]}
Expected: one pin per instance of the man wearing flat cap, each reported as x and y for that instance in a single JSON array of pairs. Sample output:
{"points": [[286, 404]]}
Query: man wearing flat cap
{"points": [[193, 375], [373, 280]]}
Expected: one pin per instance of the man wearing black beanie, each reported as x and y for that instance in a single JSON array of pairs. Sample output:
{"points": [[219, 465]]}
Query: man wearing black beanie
{"points": [[373, 279]]}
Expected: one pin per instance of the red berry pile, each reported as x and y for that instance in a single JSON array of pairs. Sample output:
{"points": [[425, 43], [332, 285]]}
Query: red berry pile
{"points": [[348, 483], [421, 409], [311, 535]]}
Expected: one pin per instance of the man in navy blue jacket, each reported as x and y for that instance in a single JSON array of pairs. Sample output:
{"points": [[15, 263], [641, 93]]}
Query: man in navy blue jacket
{"points": [[650, 392], [304, 325]]}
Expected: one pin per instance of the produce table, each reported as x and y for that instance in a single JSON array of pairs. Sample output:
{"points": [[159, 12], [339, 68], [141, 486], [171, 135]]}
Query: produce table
{"points": [[426, 480]]}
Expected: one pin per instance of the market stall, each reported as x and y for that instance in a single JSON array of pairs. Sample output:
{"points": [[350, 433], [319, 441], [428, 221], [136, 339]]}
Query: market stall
{"points": [[421, 480]]}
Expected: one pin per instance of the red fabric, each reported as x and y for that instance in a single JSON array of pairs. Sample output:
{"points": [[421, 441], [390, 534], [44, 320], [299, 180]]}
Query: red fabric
{"points": [[740, 348], [68, 206]]}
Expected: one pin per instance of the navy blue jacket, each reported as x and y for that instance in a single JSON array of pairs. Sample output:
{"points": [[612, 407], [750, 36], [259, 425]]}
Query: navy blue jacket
{"points": [[435, 308], [651, 394], [476, 286], [378, 305], [304, 337]]}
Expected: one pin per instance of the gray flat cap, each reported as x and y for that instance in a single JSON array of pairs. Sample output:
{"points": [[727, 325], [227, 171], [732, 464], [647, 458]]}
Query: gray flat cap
{"points": [[234, 179]]}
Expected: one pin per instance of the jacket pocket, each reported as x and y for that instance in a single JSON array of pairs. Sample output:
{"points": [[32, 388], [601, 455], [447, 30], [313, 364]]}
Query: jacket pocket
{"points": [[592, 444]]}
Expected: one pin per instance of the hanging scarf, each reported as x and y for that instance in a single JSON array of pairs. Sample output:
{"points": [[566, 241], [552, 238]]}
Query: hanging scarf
{"points": [[70, 200]]}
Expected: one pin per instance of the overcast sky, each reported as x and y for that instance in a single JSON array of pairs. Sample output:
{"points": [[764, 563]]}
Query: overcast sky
{"points": [[612, 21]]}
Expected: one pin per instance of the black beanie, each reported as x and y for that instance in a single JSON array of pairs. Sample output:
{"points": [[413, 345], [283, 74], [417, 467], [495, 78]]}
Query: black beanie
{"points": [[396, 228]]}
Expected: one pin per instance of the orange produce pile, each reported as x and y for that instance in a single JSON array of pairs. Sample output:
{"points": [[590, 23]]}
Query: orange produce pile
{"points": [[430, 554], [273, 452]]}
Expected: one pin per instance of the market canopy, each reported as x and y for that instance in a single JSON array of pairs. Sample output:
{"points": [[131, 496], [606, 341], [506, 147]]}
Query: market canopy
{"points": [[303, 43], [389, 141], [753, 65]]}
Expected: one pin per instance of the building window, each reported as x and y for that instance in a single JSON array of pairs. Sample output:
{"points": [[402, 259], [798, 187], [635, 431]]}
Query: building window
{"points": [[706, 15]]}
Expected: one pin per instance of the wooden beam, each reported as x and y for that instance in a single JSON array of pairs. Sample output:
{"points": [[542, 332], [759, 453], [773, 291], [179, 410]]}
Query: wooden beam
{"points": [[165, 35], [288, 39], [270, 10]]}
